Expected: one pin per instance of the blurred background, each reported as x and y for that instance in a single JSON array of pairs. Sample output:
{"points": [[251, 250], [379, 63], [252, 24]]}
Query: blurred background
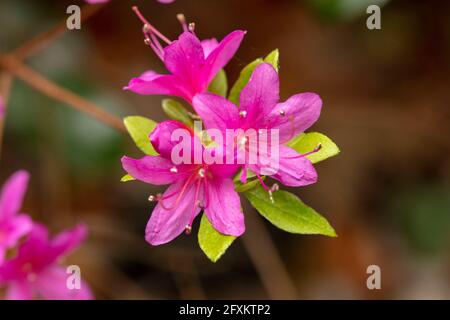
{"points": [[386, 104]]}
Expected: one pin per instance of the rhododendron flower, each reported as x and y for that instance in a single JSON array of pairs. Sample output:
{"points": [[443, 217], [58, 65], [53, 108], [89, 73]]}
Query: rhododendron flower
{"points": [[260, 110], [192, 63], [35, 271], [13, 225], [193, 188]]}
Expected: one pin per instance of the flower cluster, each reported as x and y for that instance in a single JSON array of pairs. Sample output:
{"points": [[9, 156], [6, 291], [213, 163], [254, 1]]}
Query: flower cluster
{"points": [[251, 109], [29, 260]]}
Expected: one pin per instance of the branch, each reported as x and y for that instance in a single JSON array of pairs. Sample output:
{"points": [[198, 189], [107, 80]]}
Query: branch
{"points": [[53, 90], [5, 89]]}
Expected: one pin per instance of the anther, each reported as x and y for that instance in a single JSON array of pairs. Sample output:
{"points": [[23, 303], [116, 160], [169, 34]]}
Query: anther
{"points": [[201, 173], [243, 113], [151, 198], [188, 229], [174, 170], [282, 112], [147, 41], [192, 26]]}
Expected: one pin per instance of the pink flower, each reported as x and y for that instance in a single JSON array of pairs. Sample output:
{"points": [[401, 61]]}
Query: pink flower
{"points": [[260, 109], [35, 271], [192, 64], [193, 188], [13, 225]]}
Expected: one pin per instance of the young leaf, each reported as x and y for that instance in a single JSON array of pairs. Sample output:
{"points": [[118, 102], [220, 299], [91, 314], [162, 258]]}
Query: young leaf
{"points": [[289, 213], [126, 178], [219, 85], [139, 129], [239, 187], [176, 111], [244, 77], [306, 142], [213, 243], [274, 59]]}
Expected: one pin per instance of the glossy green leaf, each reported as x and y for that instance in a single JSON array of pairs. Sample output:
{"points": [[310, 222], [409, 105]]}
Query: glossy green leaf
{"points": [[219, 85], [274, 59], [306, 142], [126, 178], [213, 243], [176, 111], [289, 213], [140, 129], [240, 187]]}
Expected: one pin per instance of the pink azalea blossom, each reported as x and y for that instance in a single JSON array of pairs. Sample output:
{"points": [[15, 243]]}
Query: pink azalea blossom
{"points": [[35, 271], [13, 225], [192, 63], [193, 188], [260, 109]]}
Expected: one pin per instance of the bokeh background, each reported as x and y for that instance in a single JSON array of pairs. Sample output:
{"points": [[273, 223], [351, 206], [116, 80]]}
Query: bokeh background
{"points": [[386, 104]]}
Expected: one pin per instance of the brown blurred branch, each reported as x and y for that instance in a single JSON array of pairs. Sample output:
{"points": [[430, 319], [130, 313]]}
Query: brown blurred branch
{"points": [[5, 88], [51, 89]]}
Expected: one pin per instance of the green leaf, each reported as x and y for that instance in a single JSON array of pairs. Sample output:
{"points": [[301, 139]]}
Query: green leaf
{"points": [[175, 110], [139, 129], [246, 73], [274, 59], [289, 213], [213, 243], [219, 85], [127, 178], [306, 142], [244, 77], [239, 187]]}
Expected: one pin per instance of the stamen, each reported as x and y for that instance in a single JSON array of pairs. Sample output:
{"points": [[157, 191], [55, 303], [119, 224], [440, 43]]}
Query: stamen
{"points": [[271, 190], [192, 27], [182, 20], [201, 172], [243, 113], [316, 149], [180, 195], [174, 170], [194, 209], [149, 27], [282, 112]]}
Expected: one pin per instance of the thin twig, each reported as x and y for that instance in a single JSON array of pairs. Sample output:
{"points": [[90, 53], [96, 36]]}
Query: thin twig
{"points": [[267, 261], [42, 40], [5, 89], [53, 90]]}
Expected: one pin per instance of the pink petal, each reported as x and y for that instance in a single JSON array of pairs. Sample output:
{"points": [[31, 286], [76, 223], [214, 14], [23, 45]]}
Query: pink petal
{"points": [[151, 169], [223, 207], [292, 169], [161, 136], [300, 111], [209, 45], [51, 284], [12, 230], [69, 240], [152, 83], [216, 112], [222, 54], [19, 290], [184, 58], [12, 194], [261, 94], [165, 225]]}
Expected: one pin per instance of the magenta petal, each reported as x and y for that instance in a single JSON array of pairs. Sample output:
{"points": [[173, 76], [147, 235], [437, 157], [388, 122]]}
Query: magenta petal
{"points": [[51, 284], [222, 54], [19, 290], [152, 83], [161, 136], [209, 45], [216, 112], [69, 240], [150, 169], [12, 230], [295, 115], [184, 58], [292, 169], [12, 194], [223, 207], [261, 94], [169, 220]]}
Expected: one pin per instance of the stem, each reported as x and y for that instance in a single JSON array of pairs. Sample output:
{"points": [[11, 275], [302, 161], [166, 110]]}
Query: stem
{"points": [[53, 90]]}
